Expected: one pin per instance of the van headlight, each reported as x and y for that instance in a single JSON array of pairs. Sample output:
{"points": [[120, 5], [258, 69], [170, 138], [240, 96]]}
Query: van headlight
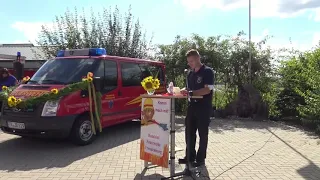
{"points": [[50, 108]]}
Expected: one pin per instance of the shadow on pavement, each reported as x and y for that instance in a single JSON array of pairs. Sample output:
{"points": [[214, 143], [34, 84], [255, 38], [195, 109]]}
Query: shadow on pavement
{"points": [[221, 125], [25, 154], [311, 171], [148, 177], [204, 175], [142, 176]]}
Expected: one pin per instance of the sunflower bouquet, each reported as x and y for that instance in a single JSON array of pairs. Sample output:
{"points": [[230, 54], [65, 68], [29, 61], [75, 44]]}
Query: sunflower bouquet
{"points": [[13, 101], [150, 84]]}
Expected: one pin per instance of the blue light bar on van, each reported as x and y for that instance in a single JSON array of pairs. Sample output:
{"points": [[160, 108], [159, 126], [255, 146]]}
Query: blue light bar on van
{"points": [[82, 52]]}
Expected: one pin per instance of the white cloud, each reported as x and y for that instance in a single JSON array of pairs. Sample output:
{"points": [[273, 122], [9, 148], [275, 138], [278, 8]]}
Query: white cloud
{"points": [[260, 37], [316, 39], [194, 5], [265, 32], [30, 30], [259, 8], [20, 42], [288, 43], [316, 15]]}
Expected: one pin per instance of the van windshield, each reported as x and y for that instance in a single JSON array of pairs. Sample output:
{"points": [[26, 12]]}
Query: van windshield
{"points": [[64, 71]]}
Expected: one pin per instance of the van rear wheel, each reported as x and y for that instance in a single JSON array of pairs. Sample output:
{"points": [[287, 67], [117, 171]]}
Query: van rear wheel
{"points": [[82, 132]]}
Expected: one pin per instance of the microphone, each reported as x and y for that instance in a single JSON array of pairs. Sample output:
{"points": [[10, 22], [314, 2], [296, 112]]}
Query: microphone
{"points": [[186, 72]]}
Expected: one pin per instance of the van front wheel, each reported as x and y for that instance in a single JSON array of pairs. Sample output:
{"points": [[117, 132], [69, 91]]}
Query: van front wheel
{"points": [[82, 132]]}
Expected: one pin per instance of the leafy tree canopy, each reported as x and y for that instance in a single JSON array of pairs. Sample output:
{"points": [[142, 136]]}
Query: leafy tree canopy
{"points": [[120, 35]]}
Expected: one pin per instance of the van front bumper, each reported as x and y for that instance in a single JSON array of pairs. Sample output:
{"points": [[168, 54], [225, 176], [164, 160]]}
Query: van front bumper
{"points": [[49, 127]]}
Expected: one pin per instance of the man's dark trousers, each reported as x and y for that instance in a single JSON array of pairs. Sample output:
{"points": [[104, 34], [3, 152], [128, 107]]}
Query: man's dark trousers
{"points": [[198, 118]]}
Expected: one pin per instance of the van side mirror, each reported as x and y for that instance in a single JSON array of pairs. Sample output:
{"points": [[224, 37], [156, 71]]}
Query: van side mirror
{"points": [[98, 84]]}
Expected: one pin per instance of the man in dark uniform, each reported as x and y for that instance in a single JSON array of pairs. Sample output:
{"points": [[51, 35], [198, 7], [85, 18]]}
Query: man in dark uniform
{"points": [[200, 81]]}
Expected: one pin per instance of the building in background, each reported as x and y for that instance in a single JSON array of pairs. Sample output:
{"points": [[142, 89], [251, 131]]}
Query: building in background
{"points": [[30, 53]]}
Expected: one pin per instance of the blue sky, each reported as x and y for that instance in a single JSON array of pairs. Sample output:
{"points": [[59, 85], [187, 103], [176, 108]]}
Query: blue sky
{"points": [[282, 19]]}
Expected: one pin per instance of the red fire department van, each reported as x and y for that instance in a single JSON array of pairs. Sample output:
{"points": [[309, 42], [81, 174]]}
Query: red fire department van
{"points": [[69, 117]]}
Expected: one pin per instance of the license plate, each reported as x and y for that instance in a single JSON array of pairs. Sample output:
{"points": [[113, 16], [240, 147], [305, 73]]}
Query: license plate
{"points": [[15, 125]]}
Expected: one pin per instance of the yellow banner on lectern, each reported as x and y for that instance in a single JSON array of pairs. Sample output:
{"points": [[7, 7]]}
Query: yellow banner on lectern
{"points": [[155, 125]]}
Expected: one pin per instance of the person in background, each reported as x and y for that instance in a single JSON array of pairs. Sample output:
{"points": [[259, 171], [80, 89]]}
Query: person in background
{"points": [[1, 69], [7, 79]]}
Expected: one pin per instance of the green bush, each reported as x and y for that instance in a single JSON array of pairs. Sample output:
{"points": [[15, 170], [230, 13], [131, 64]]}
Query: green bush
{"points": [[219, 99], [222, 97], [300, 96], [181, 104], [287, 102], [270, 98]]}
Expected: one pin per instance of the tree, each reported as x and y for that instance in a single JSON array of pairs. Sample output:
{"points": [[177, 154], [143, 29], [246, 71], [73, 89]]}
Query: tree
{"points": [[301, 83], [105, 30], [227, 55]]}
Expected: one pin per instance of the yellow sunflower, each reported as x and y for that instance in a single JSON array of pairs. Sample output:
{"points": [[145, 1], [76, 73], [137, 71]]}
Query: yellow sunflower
{"points": [[25, 79], [54, 91], [156, 83], [11, 98], [4, 88], [89, 79], [149, 78], [19, 101], [12, 101], [147, 83]]}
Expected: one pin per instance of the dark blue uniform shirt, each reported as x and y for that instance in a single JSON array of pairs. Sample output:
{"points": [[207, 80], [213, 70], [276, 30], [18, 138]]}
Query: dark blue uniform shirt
{"points": [[197, 80]]}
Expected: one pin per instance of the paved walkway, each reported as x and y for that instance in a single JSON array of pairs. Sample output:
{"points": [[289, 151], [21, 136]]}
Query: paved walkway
{"points": [[237, 150]]}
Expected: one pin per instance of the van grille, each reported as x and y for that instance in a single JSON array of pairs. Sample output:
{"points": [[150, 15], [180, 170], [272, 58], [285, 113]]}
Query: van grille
{"points": [[21, 113]]}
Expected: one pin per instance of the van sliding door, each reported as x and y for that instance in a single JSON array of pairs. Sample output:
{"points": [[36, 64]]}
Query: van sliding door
{"points": [[131, 89], [111, 106]]}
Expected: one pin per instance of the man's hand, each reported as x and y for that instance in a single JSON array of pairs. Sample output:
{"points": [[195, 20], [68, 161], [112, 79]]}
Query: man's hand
{"points": [[183, 91]]}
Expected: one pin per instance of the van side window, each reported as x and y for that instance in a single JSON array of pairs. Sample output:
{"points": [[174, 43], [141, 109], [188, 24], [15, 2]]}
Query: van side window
{"points": [[111, 74], [131, 74], [152, 70]]}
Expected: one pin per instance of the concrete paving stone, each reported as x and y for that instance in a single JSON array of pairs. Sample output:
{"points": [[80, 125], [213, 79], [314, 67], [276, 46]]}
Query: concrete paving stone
{"points": [[288, 153]]}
